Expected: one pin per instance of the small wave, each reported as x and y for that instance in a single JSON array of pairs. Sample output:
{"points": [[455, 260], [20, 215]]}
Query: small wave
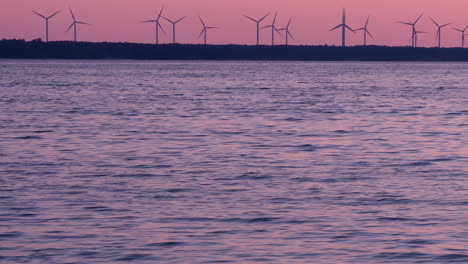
{"points": [[166, 244], [134, 257], [28, 137], [10, 234]]}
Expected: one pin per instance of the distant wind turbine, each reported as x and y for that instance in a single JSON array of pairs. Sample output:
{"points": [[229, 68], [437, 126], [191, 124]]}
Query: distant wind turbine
{"points": [[47, 22], [365, 31], [343, 27], [157, 24], [439, 30], [258, 21], [463, 35], [413, 30], [74, 24], [174, 23], [205, 29], [273, 29], [287, 32]]}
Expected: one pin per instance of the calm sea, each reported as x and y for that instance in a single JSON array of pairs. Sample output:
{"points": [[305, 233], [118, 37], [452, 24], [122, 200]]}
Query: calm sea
{"points": [[233, 162]]}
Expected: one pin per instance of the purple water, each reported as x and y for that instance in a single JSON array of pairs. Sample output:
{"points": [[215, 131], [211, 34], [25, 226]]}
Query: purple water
{"points": [[233, 162]]}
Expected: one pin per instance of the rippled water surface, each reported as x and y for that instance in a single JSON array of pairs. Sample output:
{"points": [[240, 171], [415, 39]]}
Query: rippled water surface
{"points": [[233, 162]]}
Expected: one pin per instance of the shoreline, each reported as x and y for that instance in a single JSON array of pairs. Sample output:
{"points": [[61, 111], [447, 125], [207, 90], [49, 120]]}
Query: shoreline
{"points": [[20, 49]]}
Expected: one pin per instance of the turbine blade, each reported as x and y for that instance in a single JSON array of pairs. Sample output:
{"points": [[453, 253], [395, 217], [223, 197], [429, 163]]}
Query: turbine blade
{"points": [[82, 23], [260, 20], [267, 26], [335, 27], [446, 25], [406, 23], [433, 21], [290, 34], [54, 14], [349, 28], [180, 19], [367, 31], [465, 28], [457, 29], [274, 19], [149, 21], [161, 27], [289, 22], [201, 20], [160, 13], [72, 24], [358, 29], [418, 19], [73, 15], [201, 33], [251, 19], [367, 22], [277, 31], [39, 14], [170, 21]]}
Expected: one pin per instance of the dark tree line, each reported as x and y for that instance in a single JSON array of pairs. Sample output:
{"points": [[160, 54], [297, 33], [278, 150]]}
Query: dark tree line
{"points": [[20, 49]]}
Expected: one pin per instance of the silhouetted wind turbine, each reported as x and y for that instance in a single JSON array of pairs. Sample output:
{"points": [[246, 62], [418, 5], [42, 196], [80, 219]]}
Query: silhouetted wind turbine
{"points": [[413, 30], [174, 23], [366, 32], [205, 29], [75, 22], [158, 24], [286, 29], [47, 22], [258, 21], [273, 29], [463, 35], [344, 27], [439, 30]]}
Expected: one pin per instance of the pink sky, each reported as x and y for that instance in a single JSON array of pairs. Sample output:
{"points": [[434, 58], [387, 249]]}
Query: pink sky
{"points": [[119, 20]]}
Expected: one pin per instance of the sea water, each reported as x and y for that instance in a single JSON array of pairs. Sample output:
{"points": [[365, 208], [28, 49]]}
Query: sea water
{"points": [[233, 162]]}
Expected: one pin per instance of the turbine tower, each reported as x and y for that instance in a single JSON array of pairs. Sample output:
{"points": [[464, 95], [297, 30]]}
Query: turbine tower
{"points": [[47, 22], [287, 32], [365, 31], [157, 24], [413, 30], [74, 24], [463, 35], [174, 23], [439, 30], [205, 29], [343, 28], [273, 29], [258, 21]]}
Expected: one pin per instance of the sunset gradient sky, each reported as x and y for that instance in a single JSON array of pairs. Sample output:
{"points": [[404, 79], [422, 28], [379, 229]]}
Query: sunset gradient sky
{"points": [[119, 20]]}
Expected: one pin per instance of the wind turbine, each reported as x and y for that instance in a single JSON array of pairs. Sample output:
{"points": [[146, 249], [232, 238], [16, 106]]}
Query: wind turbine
{"points": [[273, 29], [413, 30], [463, 35], [258, 21], [366, 32], [205, 29], [287, 32], [47, 22], [343, 27], [439, 30], [158, 24], [75, 22], [174, 23]]}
